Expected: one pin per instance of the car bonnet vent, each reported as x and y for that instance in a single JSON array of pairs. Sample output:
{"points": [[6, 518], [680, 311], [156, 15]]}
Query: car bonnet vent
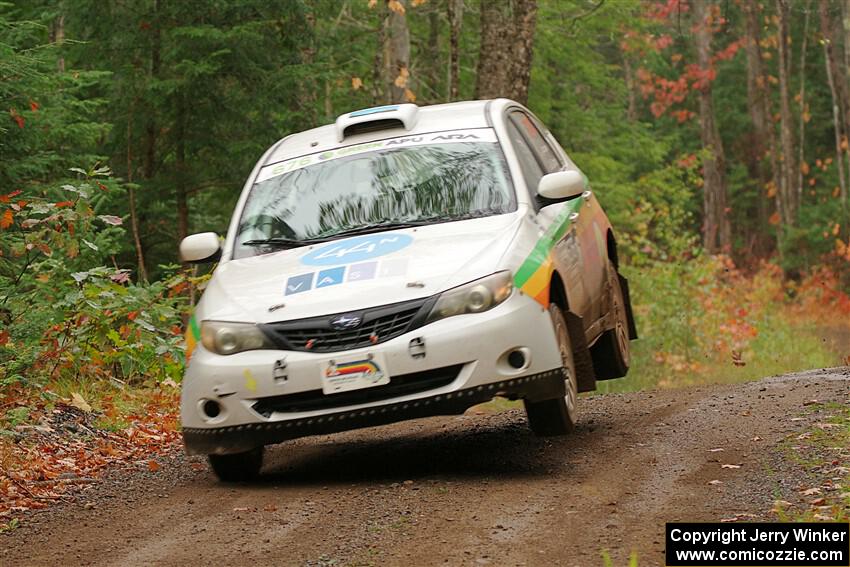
{"points": [[377, 118]]}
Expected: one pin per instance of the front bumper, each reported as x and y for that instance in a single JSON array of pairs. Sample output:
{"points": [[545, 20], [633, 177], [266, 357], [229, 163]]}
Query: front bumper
{"points": [[476, 345], [239, 438]]}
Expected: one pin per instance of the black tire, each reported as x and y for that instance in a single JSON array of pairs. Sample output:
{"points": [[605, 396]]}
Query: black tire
{"points": [[557, 416], [237, 467], [611, 353]]}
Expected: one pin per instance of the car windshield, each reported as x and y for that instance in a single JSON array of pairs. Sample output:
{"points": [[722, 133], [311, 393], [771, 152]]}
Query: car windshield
{"points": [[318, 197]]}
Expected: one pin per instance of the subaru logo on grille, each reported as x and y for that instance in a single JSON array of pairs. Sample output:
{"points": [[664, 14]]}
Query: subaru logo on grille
{"points": [[345, 322]]}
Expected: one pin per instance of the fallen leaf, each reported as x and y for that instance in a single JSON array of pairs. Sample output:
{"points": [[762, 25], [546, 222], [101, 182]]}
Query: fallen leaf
{"points": [[730, 466], [810, 491], [714, 482], [818, 502], [756, 438], [153, 466], [270, 508], [7, 219], [80, 403]]}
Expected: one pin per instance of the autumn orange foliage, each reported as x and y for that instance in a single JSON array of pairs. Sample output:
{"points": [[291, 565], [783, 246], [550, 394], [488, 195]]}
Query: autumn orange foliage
{"points": [[62, 447]]}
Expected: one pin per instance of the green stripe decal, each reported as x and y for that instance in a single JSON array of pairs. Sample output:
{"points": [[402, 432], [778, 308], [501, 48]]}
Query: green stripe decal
{"points": [[193, 325], [544, 245]]}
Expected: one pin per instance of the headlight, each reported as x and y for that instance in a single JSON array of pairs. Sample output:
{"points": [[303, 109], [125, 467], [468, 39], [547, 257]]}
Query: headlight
{"points": [[229, 338], [474, 297]]}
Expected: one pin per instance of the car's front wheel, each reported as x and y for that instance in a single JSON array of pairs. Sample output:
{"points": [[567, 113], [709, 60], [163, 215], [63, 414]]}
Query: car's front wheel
{"points": [[238, 466], [557, 416]]}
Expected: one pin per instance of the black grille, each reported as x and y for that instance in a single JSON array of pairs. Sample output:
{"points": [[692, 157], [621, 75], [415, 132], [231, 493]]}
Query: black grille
{"points": [[379, 324], [398, 386]]}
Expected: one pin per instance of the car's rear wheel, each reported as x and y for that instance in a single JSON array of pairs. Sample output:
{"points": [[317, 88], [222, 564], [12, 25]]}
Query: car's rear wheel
{"points": [[611, 354], [238, 466], [557, 416]]}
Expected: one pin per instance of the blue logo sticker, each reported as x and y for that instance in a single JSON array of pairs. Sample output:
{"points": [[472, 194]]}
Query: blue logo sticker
{"points": [[357, 249], [330, 277], [298, 284], [365, 271]]}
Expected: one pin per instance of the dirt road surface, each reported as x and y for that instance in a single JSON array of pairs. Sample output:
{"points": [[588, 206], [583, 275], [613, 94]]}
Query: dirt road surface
{"points": [[460, 490]]}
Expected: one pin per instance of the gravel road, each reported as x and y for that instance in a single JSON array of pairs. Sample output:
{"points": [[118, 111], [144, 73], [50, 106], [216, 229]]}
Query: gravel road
{"points": [[476, 489]]}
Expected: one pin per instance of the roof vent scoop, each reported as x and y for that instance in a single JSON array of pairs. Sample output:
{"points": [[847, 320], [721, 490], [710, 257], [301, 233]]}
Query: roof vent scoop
{"points": [[377, 118]]}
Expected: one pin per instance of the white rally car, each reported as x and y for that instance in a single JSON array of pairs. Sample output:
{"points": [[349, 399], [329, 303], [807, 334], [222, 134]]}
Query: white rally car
{"points": [[400, 263]]}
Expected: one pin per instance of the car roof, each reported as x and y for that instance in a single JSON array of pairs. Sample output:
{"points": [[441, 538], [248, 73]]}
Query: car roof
{"points": [[434, 118]]}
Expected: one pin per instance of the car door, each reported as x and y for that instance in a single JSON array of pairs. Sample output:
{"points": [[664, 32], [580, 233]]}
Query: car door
{"points": [[559, 218], [591, 227]]}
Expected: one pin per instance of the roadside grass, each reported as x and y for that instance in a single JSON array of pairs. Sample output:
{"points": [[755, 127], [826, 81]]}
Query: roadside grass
{"points": [[706, 322], [822, 453], [608, 562]]}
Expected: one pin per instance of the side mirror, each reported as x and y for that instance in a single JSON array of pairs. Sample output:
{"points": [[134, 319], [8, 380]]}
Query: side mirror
{"points": [[561, 185], [200, 248]]}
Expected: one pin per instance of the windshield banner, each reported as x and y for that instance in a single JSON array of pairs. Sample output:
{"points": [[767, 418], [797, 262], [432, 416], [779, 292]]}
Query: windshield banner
{"points": [[447, 137]]}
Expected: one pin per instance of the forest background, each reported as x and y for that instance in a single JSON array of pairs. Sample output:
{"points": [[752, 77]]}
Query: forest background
{"points": [[715, 134]]}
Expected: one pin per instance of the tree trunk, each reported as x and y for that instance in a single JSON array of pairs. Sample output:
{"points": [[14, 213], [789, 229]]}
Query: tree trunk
{"points": [[839, 126], [180, 163], [397, 53], [455, 13], [505, 55], [717, 235], [762, 144], [803, 111], [432, 53], [131, 195], [57, 33], [787, 191], [631, 110], [153, 74]]}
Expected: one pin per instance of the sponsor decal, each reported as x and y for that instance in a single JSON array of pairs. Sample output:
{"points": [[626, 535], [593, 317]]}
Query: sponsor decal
{"points": [[387, 268], [357, 249], [364, 271], [332, 276], [299, 284], [447, 137], [393, 267], [535, 273], [357, 369], [374, 110], [193, 337]]}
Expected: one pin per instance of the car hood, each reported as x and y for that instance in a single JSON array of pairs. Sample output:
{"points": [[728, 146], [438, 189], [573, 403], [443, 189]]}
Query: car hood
{"points": [[358, 272]]}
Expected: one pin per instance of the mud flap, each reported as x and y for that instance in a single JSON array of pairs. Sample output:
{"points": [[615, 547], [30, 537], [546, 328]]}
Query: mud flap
{"points": [[585, 376], [624, 286]]}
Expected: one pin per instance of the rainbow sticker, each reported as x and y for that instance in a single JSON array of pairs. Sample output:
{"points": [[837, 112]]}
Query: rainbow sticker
{"points": [[359, 368]]}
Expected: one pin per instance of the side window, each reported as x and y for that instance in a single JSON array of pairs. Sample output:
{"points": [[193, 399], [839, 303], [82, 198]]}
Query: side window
{"points": [[549, 161], [531, 170]]}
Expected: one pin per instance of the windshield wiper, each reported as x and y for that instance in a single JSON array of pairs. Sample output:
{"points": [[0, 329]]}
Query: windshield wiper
{"points": [[388, 225], [283, 243]]}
